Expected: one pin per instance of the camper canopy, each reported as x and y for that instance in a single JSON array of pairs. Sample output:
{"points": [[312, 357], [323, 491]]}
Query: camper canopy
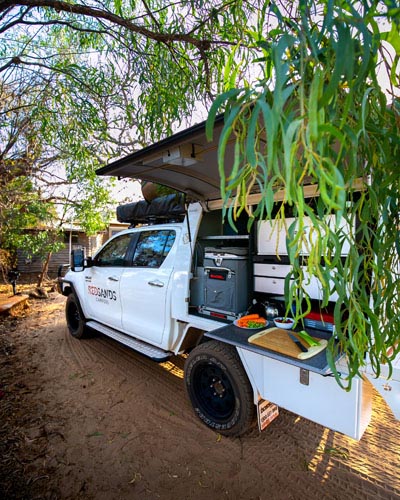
{"points": [[185, 161]]}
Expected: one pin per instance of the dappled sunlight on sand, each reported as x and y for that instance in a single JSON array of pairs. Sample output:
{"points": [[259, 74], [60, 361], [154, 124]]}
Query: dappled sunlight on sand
{"points": [[174, 366]]}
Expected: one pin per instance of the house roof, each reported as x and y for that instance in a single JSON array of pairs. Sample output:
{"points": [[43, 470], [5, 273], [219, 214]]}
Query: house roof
{"points": [[185, 161]]}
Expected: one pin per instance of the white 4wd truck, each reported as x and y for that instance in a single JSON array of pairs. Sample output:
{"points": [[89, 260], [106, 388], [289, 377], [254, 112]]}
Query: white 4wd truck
{"points": [[177, 282]]}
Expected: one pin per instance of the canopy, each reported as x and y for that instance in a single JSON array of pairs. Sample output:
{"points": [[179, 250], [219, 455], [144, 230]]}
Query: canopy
{"points": [[185, 161]]}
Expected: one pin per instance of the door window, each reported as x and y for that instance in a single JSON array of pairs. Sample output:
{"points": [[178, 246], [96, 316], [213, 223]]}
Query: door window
{"points": [[114, 253], [152, 248]]}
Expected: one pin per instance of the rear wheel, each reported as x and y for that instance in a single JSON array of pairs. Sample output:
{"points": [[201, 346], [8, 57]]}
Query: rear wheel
{"points": [[219, 389], [75, 320]]}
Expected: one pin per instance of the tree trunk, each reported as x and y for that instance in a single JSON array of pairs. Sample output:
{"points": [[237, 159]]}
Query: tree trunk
{"points": [[45, 268]]}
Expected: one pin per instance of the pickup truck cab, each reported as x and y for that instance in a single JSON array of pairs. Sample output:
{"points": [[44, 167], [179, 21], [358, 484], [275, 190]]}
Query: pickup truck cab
{"points": [[178, 281]]}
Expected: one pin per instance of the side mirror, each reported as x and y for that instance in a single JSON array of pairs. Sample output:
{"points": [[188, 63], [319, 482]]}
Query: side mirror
{"points": [[77, 260]]}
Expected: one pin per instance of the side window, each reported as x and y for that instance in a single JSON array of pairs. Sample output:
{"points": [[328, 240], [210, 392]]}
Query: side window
{"points": [[114, 253], [152, 248]]}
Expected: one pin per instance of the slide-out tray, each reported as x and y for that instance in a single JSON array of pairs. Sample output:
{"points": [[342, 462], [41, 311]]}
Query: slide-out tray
{"points": [[239, 337]]}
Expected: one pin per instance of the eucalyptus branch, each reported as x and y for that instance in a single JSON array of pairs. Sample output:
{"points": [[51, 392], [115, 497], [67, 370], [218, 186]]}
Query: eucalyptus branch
{"points": [[53, 184], [96, 13], [61, 200], [118, 142], [214, 11], [53, 23], [150, 14], [15, 135], [6, 12], [16, 21], [15, 109], [7, 65], [18, 61]]}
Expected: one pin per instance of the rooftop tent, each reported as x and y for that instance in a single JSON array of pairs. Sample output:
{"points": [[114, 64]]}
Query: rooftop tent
{"points": [[164, 208], [185, 161]]}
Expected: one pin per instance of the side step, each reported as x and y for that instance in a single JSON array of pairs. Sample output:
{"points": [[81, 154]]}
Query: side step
{"points": [[155, 353]]}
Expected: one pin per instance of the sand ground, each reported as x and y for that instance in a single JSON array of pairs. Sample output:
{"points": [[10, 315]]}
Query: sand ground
{"points": [[92, 419]]}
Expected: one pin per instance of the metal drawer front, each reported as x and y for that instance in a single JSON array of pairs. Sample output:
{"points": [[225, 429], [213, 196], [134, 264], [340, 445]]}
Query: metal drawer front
{"points": [[269, 285], [273, 270]]}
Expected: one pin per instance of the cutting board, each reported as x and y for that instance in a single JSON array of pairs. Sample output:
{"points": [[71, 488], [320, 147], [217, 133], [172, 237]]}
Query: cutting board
{"points": [[278, 340]]}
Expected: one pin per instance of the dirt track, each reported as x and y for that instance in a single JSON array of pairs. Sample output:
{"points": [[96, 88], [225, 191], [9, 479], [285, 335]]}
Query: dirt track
{"points": [[92, 419]]}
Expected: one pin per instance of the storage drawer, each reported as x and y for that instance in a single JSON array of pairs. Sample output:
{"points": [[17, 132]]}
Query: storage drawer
{"points": [[269, 285], [273, 270]]}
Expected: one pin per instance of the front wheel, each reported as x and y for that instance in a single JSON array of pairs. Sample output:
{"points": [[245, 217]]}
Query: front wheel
{"points": [[75, 320], [219, 389]]}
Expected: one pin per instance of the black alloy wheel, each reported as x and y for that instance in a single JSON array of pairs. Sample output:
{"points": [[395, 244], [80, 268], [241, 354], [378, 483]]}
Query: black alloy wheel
{"points": [[219, 389]]}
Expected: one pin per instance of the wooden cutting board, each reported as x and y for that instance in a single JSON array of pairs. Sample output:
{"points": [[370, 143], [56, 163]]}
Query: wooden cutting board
{"points": [[278, 340]]}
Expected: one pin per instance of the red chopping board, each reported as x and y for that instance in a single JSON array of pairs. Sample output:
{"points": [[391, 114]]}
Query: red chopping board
{"points": [[278, 340]]}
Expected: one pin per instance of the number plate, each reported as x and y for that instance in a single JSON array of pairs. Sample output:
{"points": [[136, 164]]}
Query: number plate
{"points": [[266, 413]]}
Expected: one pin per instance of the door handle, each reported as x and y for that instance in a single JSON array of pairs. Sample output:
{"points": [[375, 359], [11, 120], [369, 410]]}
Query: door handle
{"points": [[113, 278], [158, 283]]}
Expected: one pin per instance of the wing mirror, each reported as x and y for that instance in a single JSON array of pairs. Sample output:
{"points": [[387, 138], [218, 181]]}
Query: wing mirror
{"points": [[78, 260]]}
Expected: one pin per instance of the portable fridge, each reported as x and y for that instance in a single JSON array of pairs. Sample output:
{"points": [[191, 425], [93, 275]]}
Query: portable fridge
{"points": [[225, 282]]}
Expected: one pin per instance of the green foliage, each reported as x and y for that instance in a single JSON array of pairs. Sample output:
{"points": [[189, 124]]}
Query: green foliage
{"points": [[153, 61], [318, 116], [82, 84], [23, 218], [48, 164]]}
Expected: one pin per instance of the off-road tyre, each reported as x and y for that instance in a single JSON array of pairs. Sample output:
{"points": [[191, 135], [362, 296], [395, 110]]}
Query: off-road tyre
{"points": [[75, 320], [219, 389]]}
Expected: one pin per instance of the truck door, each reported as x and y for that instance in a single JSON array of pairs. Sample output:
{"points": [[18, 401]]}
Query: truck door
{"points": [[103, 279], [145, 285]]}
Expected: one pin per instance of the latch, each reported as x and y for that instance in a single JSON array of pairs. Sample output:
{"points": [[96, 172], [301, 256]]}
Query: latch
{"points": [[218, 260], [304, 376]]}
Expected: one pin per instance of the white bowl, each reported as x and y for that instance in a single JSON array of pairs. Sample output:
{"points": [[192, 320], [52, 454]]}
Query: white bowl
{"points": [[286, 326]]}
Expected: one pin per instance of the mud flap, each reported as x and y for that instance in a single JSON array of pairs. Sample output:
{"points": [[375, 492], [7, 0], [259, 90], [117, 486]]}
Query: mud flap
{"points": [[266, 413]]}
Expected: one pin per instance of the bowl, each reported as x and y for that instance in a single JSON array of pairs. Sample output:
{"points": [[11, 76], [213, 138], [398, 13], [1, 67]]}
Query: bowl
{"points": [[285, 323]]}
